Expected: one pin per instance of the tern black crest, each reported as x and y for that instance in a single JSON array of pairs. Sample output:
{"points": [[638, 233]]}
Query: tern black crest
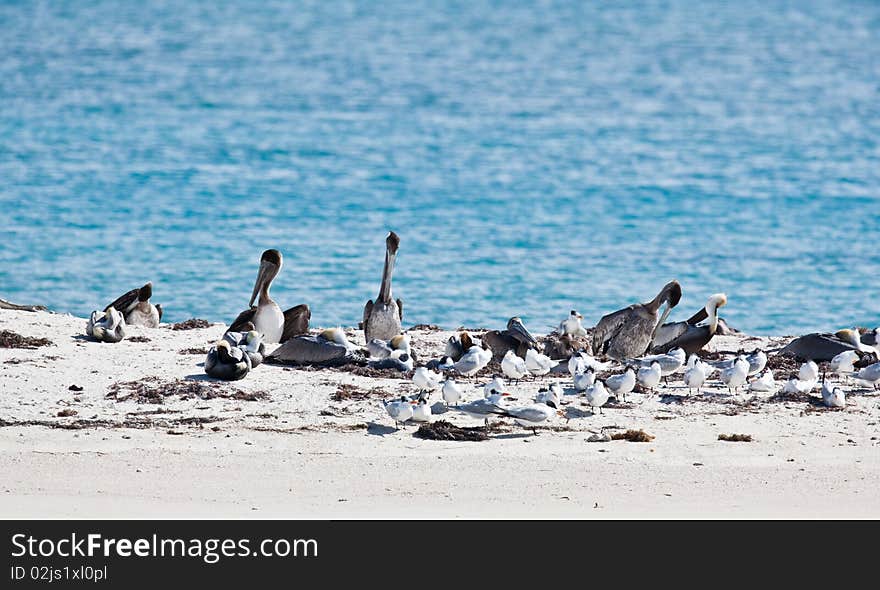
{"points": [[273, 256]]}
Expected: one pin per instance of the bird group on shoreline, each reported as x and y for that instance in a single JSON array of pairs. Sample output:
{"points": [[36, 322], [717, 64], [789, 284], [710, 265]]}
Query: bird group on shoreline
{"points": [[635, 348]]}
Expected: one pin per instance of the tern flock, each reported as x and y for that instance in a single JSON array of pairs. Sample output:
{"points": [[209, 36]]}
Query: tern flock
{"points": [[633, 348]]}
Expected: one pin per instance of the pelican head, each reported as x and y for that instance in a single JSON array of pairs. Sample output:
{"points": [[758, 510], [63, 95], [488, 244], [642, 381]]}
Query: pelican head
{"points": [[145, 292], [270, 265], [715, 301], [849, 336]]}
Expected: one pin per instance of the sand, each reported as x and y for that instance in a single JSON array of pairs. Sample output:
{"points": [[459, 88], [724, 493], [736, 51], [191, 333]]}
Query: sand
{"points": [[277, 444]]}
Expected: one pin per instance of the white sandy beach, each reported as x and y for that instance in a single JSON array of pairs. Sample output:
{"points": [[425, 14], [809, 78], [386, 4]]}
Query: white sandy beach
{"points": [[277, 444]]}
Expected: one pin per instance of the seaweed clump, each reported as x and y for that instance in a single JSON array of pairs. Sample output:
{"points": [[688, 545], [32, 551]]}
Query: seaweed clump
{"points": [[443, 430]]}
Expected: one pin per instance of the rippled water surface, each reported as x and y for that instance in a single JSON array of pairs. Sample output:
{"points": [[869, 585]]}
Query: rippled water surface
{"points": [[533, 157]]}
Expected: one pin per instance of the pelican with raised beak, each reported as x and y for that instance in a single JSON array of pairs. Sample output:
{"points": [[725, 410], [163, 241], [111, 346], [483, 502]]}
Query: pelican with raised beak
{"points": [[382, 318], [628, 332], [687, 335], [136, 308], [266, 316]]}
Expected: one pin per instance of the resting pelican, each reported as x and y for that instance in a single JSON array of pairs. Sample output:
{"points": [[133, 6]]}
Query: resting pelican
{"points": [[135, 306], [382, 319], [627, 333], [329, 348], [250, 342], [825, 346], [516, 338], [227, 362], [688, 335], [106, 327], [267, 316]]}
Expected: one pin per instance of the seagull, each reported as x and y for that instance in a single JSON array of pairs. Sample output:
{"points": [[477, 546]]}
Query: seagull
{"points": [[451, 392], [474, 360], [670, 362], [513, 366], [621, 384], [649, 377], [530, 416], [765, 382], [584, 379], [537, 363], [457, 345], [571, 326], [551, 397], [833, 397], [736, 375], [757, 362], [597, 395], [421, 412], [495, 386], [809, 371], [581, 360], [482, 408], [795, 385], [870, 375], [843, 363], [400, 410], [695, 375], [442, 364], [426, 380]]}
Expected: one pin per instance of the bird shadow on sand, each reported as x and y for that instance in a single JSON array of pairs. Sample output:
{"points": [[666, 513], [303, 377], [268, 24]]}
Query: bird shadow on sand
{"points": [[513, 435], [439, 408], [82, 338], [571, 413], [202, 377], [380, 429]]}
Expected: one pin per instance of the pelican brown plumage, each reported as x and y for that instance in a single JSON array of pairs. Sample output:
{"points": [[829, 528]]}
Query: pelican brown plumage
{"points": [[688, 335], [267, 317], [136, 308], [382, 318], [628, 332]]}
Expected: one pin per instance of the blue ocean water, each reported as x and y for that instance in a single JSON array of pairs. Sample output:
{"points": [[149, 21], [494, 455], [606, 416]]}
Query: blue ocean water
{"points": [[533, 156]]}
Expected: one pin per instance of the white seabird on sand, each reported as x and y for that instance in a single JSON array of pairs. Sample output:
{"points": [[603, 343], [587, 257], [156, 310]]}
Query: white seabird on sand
{"points": [[833, 397], [513, 367], [649, 377], [620, 385], [421, 412], [597, 395], [475, 359], [764, 383], [537, 363], [451, 392], [735, 376], [400, 410], [584, 379]]}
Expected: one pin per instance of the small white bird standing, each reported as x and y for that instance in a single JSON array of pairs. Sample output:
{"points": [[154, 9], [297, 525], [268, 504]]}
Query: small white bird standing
{"points": [[495, 386], [597, 395], [482, 408], [421, 412], [695, 374], [537, 363], [475, 359], [582, 359], [400, 410], [513, 367], [530, 416], [809, 371], [870, 375], [584, 379], [426, 380], [764, 383], [451, 392], [843, 363], [649, 377], [620, 385], [571, 326], [670, 362], [833, 397], [736, 375]]}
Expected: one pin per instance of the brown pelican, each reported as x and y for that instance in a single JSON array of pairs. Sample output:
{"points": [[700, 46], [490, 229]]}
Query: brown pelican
{"points": [[250, 342], [627, 333], [267, 316], [516, 338], [135, 306], [824, 347], [329, 348], [382, 319], [227, 362], [106, 327], [688, 335]]}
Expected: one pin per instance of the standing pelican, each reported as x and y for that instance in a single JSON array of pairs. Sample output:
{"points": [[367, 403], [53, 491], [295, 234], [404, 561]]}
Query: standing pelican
{"points": [[135, 306], [627, 333], [267, 317], [382, 319], [688, 335]]}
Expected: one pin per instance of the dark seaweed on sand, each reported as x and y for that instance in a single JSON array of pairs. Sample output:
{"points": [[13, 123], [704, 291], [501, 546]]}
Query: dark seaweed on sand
{"points": [[154, 392], [9, 339], [346, 391], [633, 436], [443, 430], [735, 437], [139, 339], [191, 324], [195, 351]]}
